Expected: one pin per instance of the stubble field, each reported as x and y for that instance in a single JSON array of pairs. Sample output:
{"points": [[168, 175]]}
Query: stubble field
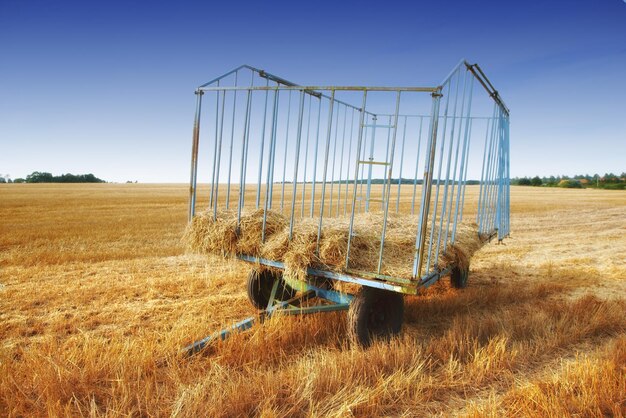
{"points": [[97, 295]]}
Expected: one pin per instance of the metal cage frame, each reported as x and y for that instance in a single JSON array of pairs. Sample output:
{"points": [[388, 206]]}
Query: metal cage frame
{"points": [[494, 202], [445, 132]]}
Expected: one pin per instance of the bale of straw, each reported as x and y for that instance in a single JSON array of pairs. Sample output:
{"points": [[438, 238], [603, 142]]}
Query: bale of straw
{"points": [[207, 235], [222, 236], [250, 231]]}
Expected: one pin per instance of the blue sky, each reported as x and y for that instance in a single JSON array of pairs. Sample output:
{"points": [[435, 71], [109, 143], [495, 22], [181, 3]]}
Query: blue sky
{"points": [[107, 87]]}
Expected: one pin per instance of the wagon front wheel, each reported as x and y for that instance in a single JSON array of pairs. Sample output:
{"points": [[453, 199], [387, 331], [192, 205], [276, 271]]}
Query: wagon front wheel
{"points": [[375, 314], [260, 285], [459, 276]]}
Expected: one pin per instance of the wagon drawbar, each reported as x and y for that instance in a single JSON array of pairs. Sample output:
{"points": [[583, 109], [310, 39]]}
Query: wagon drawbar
{"points": [[293, 166]]}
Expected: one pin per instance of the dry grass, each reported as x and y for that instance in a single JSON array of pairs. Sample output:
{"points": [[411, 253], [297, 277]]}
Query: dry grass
{"points": [[97, 296], [219, 235]]}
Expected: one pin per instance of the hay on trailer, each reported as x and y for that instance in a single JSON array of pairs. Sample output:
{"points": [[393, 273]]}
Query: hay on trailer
{"points": [[221, 236]]}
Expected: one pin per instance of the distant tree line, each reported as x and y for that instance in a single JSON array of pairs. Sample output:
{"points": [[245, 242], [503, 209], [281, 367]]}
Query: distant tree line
{"points": [[608, 181], [43, 177]]}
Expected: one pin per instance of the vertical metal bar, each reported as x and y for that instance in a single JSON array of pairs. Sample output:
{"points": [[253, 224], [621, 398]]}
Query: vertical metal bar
{"points": [[447, 212], [447, 183], [246, 125], [383, 194], [332, 173], [484, 203], [417, 163], [295, 168], [503, 230], [219, 158], [232, 141], [270, 167], [282, 192], [482, 172], [356, 175], [273, 160], [388, 183], [328, 135], [508, 176], [426, 185], [369, 170], [317, 140], [463, 170], [441, 154], [464, 180], [502, 179], [306, 155], [401, 162], [490, 164], [217, 115], [345, 203], [245, 162], [362, 158], [261, 150], [494, 189], [493, 162], [195, 142], [500, 202], [343, 144]]}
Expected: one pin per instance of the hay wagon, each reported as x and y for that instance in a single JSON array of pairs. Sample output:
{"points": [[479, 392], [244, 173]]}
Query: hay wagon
{"points": [[348, 197]]}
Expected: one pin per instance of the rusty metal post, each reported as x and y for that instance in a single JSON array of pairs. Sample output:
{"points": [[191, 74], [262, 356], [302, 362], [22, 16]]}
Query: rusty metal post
{"points": [[426, 185], [194, 156]]}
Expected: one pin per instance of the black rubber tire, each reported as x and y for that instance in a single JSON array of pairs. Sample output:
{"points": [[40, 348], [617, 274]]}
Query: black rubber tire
{"points": [[375, 314], [458, 277], [260, 285]]}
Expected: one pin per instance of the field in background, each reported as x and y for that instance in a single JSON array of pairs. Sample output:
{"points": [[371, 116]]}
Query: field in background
{"points": [[97, 295]]}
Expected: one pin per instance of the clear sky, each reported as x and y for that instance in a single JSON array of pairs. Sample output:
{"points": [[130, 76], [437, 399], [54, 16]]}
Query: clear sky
{"points": [[107, 87]]}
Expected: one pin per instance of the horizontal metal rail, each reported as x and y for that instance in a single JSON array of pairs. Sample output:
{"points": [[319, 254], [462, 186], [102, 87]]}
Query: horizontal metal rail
{"points": [[408, 288], [325, 88], [279, 80], [379, 281], [374, 162], [484, 81]]}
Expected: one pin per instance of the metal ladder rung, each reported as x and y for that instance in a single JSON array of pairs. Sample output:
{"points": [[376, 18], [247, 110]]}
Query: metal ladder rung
{"points": [[371, 199], [374, 162], [369, 125]]}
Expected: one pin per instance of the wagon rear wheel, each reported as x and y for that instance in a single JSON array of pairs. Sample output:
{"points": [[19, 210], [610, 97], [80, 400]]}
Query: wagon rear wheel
{"points": [[375, 314], [459, 276], [260, 285]]}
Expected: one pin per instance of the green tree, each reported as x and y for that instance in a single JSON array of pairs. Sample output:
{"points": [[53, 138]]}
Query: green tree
{"points": [[536, 181], [39, 177], [42, 177], [570, 184]]}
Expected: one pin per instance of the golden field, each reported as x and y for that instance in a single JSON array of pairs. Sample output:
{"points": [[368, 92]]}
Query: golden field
{"points": [[97, 295]]}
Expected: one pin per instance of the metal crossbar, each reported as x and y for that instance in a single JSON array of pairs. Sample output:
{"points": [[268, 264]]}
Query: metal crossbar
{"points": [[337, 302]]}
